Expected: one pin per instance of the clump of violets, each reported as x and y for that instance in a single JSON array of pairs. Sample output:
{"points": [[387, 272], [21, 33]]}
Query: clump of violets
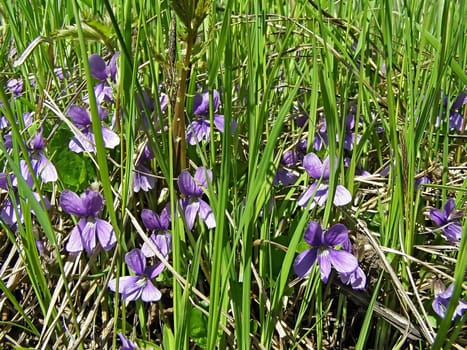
{"points": [[83, 236], [319, 191], [160, 238], [140, 285], [199, 129], [84, 141], [448, 220], [442, 299], [330, 249], [193, 189]]}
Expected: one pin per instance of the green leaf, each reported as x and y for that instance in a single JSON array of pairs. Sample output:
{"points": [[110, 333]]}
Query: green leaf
{"points": [[168, 339], [198, 325]]}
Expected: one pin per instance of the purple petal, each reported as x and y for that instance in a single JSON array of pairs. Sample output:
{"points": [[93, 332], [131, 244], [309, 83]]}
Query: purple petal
{"points": [[219, 122], [321, 195], [206, 214], [162, 242], [102, 92], [343, 261], [164, 217], [201, 103], [313, 165], [455, 121], [88, 234], [191, 210], [83, 143], [38, 141], [26, 174], [79, 116], [337, 235], [124, 282], [453, 232], [449, 207], [142, 181], [151, 220], [150, 293], [93, 202], [306, 196], [75, 244], [313, 234], [350, 121], [72, 204], [437, 216], [197, 131], [105, 234], [289, 158], [163, 101], [112, 68], [327, 167], [286, 177], [324, 262], [44, 168], [5, 179], [9, 211], [126, 343], [136, 261], [342, 196], [357, 279], [187, 185], [461, 307], [111, 139], [98, 67], [460, 100], [154, 271], [304, 262], [200, 177]]}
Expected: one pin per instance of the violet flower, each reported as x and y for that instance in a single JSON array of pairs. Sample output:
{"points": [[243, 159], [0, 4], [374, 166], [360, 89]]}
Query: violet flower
{"points": [[448, 220], [100, 70], [356, 279], [140, 285], [83, 235], [41, 165], [127, 344], [329, 249], [350, 136], [85, 142], [321, 135], [456, 118], [103, 92], [192, 204], [143, 179], [441, 302], [284, 175], [319, 192], [15, 87], [11, 212], [199, 130], [160, 238]]}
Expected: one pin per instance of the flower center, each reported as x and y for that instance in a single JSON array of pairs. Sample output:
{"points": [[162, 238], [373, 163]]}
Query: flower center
{"points": [[142, 282]]}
